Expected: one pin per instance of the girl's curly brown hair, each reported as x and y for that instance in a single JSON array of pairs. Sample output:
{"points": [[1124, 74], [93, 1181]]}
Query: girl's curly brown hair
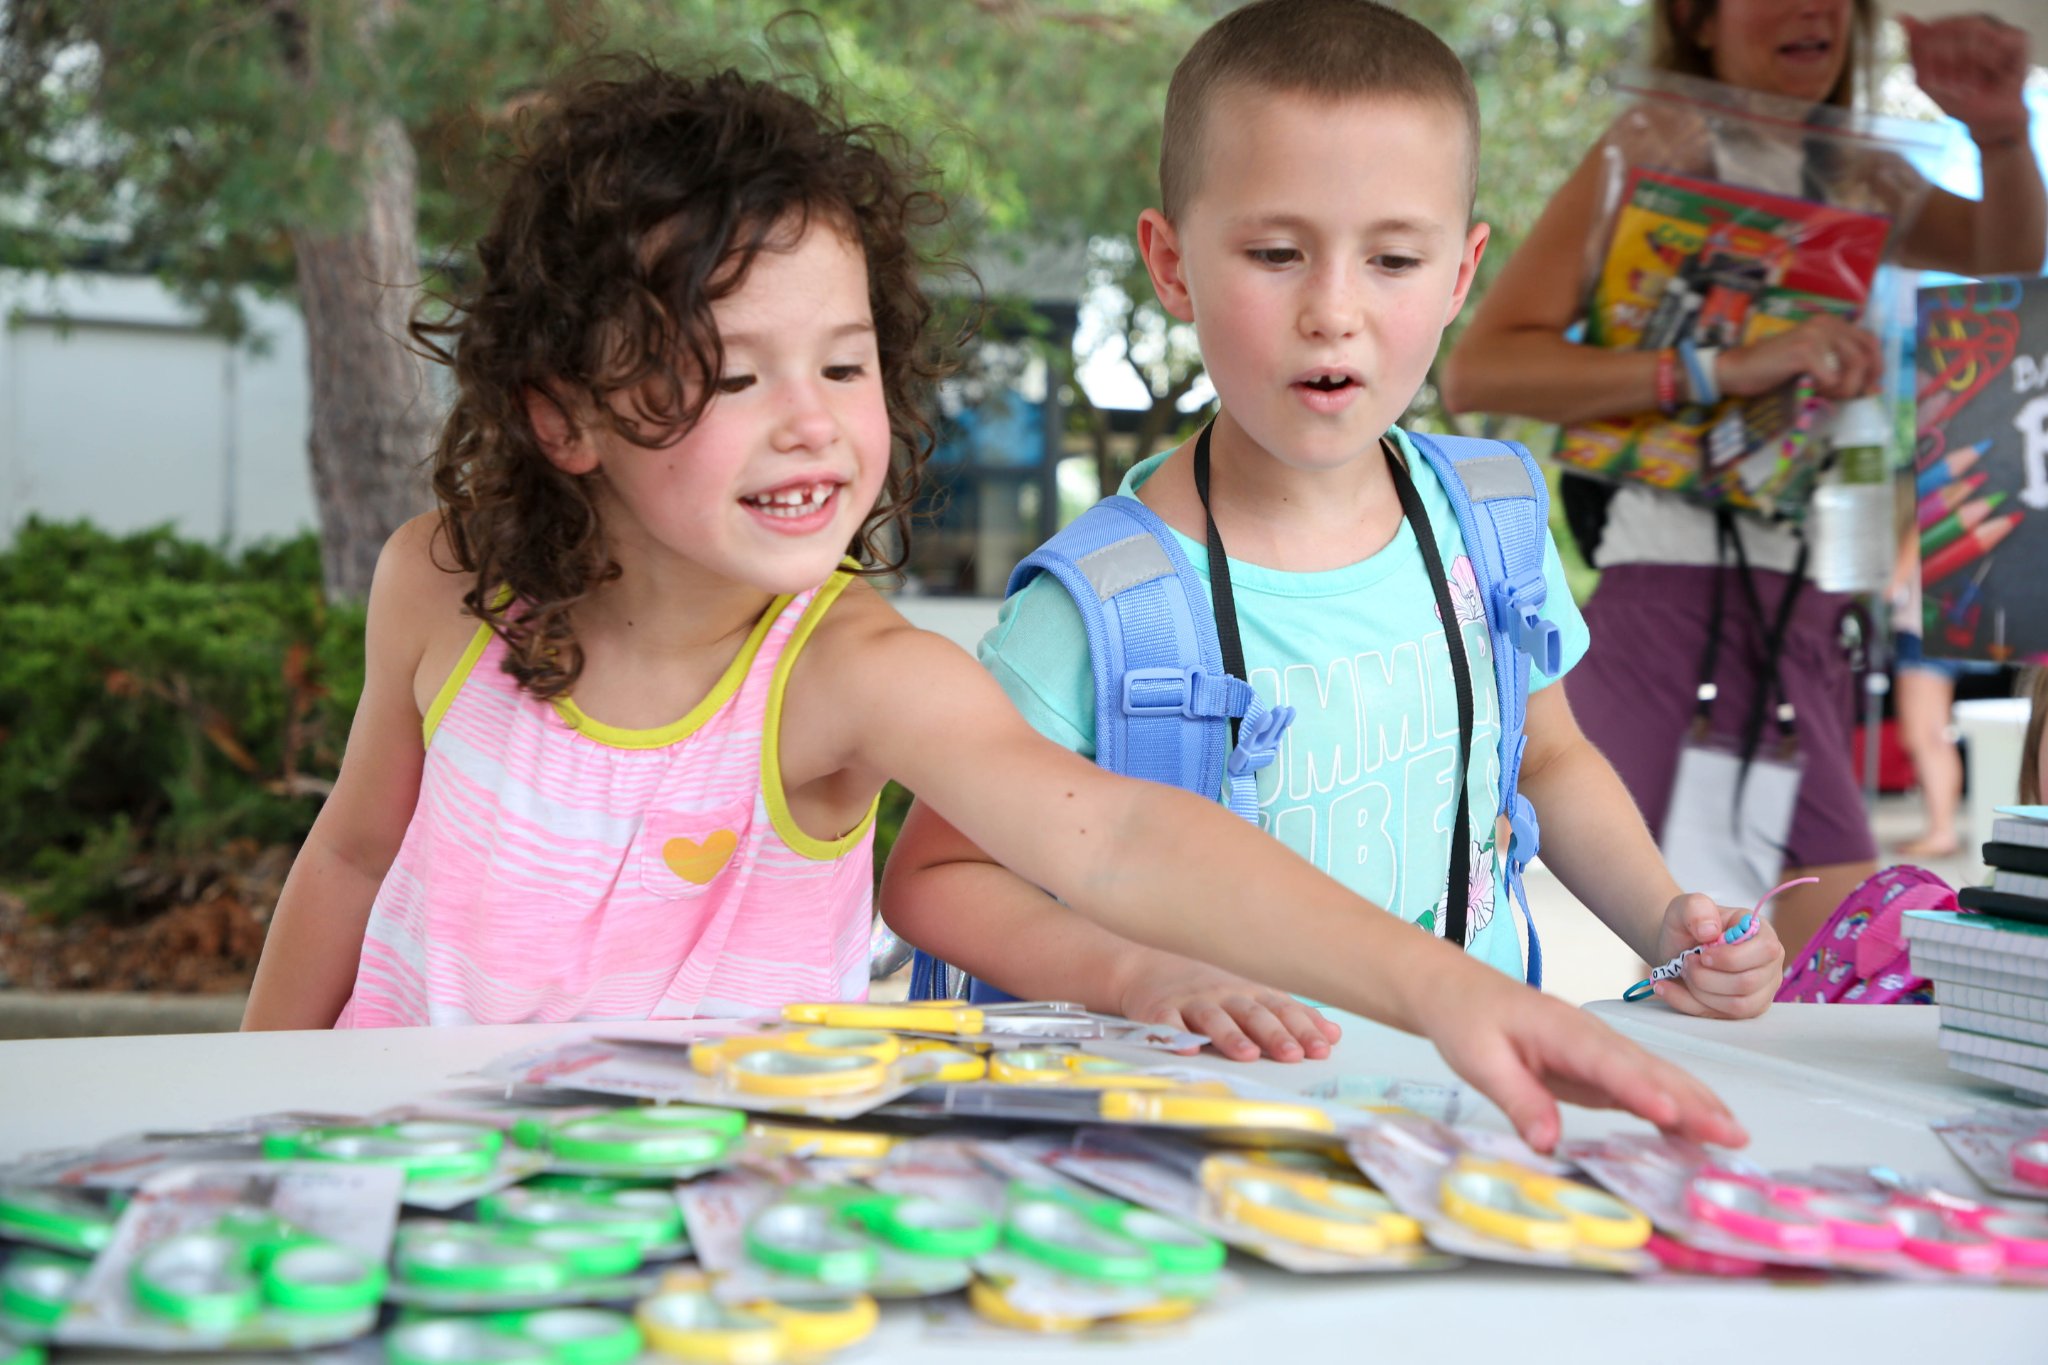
{"points": [[638, 201]]}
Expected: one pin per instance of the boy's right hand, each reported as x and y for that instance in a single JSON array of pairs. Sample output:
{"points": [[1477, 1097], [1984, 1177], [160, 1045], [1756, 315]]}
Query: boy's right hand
{"points": [[1525, 1051], [1243, 1019]]}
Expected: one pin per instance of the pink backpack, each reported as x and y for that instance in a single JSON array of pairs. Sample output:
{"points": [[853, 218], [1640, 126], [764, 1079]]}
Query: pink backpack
{"points": [[1859, 955]]}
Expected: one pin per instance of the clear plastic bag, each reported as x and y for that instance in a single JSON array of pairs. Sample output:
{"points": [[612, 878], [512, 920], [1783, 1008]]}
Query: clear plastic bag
{"points": [[1728, 217]]}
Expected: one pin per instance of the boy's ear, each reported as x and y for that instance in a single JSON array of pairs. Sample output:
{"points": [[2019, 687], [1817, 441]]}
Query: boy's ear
{"points": [[561, 438], [1159, 244], [1476, 238]]}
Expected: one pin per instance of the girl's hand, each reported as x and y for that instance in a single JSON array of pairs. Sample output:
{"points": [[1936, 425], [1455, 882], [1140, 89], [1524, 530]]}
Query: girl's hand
{"points": [[1728, 980], [1525, 1051], [1975, 68], [1844, 360], [1242, 1018]]}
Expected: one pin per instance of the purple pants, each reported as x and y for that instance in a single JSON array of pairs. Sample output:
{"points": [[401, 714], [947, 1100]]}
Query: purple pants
{"points": [[1633, 693]]}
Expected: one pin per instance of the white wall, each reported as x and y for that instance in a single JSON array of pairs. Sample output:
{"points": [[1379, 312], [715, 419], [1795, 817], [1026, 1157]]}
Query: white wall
{"points": [[116, 407]]}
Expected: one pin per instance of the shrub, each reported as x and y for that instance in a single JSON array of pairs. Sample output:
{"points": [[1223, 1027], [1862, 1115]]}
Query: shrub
{"points": [[158, 699]]}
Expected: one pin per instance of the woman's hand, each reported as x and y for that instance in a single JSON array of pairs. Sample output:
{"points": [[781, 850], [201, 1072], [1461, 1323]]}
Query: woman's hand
{"points": [[1844, 360], [1975, 68]]}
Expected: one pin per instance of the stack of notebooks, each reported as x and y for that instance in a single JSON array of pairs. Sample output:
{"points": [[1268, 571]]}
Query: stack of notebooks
{"points": [[1989, 966]]}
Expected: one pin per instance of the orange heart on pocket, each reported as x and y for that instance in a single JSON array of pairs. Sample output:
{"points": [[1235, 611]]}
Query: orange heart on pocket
{"points": [[699, 863]]}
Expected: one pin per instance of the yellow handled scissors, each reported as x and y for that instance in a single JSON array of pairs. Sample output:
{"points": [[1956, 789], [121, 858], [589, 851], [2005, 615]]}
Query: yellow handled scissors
{"points": [[993, 1302], [683, 1321], [1046, 1066], [790, 1139], [1210, 1107], [1322, 1211], [710, 1057], [815, 1062], [934, 1016], [1514, 1204]]}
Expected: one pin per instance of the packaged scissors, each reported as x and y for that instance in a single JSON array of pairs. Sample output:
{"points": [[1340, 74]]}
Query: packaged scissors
{"points": [[1305, 1211], [1013, 1023], [36, 1290], [456, 1267], [542, 1336], [1076, 1093], [684, 1321], [254, 1254], [446, 1161], [840, 1075], [2006, 1149], [1487, 1196], [1820, 1219], [667, 1141], [59, 1219]]}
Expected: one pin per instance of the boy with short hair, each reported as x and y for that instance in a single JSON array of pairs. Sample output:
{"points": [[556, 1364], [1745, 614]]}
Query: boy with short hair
{"points": [[1317, 179]]}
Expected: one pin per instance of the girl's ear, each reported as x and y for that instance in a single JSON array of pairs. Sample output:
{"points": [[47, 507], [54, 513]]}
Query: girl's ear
{"points": [[563, 440]]}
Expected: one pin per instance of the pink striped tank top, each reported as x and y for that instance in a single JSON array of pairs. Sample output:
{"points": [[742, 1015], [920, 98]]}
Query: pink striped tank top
{"points": [[559, 868]]}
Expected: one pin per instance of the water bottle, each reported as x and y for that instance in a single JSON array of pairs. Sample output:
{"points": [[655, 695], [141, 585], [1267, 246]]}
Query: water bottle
{"points": [[1849, 524]]}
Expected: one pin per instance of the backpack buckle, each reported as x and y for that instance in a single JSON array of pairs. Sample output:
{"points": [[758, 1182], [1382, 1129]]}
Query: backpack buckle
{"points": [[1525, 838], [1258, 740], [1159, 691], [1521, 597]]}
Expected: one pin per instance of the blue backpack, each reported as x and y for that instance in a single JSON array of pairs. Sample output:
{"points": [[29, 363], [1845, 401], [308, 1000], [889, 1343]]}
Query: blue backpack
{"points": [[1164, 704]]}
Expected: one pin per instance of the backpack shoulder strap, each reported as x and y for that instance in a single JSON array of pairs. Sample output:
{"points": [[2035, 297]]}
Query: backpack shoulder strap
{"points": [[1162, 700], [1503, 508], [1163, 703]]}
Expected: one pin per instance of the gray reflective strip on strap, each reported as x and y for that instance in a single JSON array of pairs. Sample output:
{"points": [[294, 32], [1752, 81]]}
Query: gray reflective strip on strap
{"points": [[1125, 564], [1496, 476]]}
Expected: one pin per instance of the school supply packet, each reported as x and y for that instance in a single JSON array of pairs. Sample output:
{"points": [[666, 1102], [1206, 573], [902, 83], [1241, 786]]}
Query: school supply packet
{"points": [[1730, 217]]}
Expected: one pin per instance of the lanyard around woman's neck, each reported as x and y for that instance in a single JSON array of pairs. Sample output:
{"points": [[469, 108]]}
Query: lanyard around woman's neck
{"points": [[1459, 887]]}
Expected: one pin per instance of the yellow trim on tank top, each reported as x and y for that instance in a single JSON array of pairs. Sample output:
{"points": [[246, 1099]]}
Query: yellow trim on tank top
{"points": [[772, 794], [617, 737], [457, 676], [661, 736]]}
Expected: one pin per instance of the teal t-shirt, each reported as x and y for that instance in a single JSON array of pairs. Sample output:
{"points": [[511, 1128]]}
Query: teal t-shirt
{"points": [[1362, 786]]}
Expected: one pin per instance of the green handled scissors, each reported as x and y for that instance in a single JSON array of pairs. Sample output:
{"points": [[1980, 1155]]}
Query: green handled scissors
{"points": [[61, 1219], [663, 1135], [834, 1233], [540, 1336], [426, 1149], [37, 1287], [19, 1352], [218, 1278], [1104, 1239], [647, 1216]]}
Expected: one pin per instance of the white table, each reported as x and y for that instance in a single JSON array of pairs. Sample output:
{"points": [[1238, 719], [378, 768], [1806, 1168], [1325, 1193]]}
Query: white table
{"points": [[1813, 1083]]}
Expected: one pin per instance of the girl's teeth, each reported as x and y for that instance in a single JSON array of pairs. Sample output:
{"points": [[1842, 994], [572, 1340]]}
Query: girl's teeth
{"points": [[794, 502]]}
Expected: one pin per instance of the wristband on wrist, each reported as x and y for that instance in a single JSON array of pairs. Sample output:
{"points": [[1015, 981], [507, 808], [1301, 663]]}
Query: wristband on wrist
{"points": [[1698, 363], [1667, 381]]}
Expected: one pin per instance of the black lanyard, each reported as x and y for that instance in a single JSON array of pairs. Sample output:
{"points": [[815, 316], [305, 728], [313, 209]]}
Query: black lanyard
{"points": [[1460, 884], [1770, 690]]}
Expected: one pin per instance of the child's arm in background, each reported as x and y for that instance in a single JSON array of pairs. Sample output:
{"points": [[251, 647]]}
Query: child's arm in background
{"points": [[944, 894], [315, 938], [1595, 840], [1184, 875]]}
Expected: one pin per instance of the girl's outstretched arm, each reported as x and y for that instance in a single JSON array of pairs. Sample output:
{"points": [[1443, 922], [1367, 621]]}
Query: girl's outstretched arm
{"points": [[316, 933], [1166, 868]]}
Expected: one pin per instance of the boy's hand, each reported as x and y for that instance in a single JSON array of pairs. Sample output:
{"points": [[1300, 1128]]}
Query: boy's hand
{"points": [[1525, 1051], [1243, 1019], [1728, 980]]}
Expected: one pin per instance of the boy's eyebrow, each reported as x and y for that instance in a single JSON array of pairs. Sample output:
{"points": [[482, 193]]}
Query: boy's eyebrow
{"points": [[1295, 223], [844, 329]]}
